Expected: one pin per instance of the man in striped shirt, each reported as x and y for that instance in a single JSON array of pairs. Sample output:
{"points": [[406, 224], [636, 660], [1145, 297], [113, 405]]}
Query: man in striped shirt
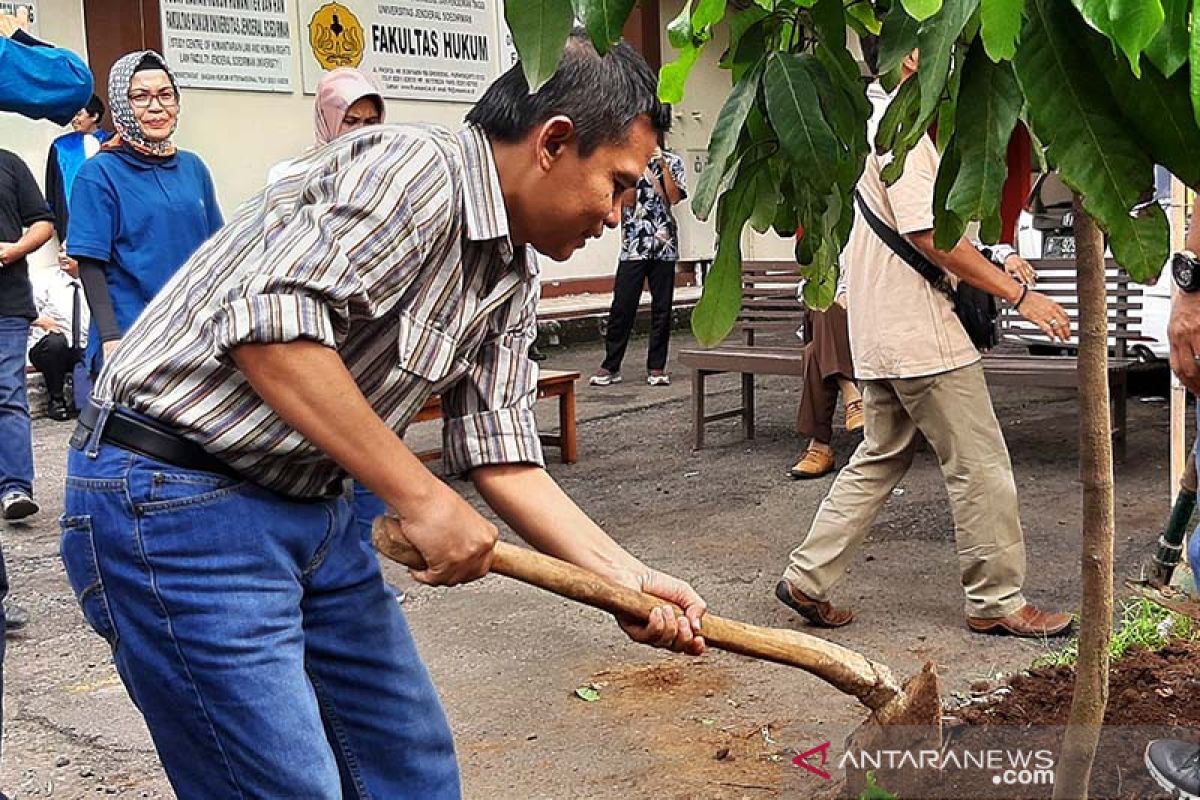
{"points": [[207, 532]]}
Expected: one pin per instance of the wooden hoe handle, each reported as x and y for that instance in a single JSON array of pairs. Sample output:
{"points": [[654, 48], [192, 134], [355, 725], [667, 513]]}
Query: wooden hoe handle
{"points": [[848, 671]]}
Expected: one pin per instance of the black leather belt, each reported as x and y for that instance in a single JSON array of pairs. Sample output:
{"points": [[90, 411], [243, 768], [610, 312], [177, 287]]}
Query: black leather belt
{"points": [[146, 437]]}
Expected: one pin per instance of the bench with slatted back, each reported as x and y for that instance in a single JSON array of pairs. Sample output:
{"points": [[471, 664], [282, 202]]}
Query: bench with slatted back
{"points": [[767, 324], [1056, 279]]}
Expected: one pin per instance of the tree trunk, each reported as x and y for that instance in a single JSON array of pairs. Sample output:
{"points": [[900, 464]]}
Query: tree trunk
{"points": [[1096, 473]]}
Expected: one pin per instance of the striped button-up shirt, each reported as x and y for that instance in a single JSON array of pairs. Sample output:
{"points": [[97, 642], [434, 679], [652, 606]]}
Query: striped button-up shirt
{"points": [[390, 245]]}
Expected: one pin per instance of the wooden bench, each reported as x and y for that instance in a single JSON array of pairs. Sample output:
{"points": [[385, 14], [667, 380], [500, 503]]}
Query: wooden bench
{"points": [[768, 322], [551, 383], [1057, 365]]}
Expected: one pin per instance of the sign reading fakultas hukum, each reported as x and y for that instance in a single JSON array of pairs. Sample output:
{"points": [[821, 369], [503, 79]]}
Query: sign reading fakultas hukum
{"points": [[413, 49]]}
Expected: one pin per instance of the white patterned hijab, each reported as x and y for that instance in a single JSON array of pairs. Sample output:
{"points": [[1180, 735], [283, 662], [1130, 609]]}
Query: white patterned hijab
{"points": [[128, 130]]}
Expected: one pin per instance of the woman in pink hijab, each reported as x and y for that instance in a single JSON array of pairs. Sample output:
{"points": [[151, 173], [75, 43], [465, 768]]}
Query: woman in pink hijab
{"points": [[346, 101]]}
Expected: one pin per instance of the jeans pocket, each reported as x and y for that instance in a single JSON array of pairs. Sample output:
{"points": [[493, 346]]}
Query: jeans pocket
{"points": [[172, 490], [78, 552]]}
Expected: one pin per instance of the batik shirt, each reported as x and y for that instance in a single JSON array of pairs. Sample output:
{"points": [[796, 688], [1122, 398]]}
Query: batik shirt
{"points": [[646, 228]]}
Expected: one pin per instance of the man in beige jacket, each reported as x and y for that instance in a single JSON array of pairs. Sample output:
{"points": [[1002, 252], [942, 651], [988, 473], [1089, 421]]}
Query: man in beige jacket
{"points": [[920, 372]]}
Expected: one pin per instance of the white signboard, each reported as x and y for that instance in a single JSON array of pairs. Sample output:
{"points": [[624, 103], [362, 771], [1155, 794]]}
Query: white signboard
{"points": [[10, 7], [229, 44], [508, 48], [413, 49]]}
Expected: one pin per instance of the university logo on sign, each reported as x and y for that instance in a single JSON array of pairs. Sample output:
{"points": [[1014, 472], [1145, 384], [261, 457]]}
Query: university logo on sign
{"points": [[336, 36]]}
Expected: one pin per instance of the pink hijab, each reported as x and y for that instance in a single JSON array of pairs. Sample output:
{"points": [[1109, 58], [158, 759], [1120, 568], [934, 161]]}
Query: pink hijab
{"points": [[337, 91]]}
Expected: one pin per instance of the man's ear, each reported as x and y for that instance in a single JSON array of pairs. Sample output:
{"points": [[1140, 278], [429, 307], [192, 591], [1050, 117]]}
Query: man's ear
{"points": [[554, 137]]}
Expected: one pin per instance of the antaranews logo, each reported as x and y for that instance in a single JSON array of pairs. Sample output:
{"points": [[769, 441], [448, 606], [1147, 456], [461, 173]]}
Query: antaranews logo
{"points": [[801, 760], [1008, 767]]}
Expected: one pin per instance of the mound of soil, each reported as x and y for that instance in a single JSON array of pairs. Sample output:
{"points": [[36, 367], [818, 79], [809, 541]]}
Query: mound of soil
{"points": [[1151, 695]]}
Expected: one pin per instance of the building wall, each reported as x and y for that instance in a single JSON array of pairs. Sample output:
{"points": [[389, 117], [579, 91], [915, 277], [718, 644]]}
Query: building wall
{"points": [[707, 88], [241, 134]]}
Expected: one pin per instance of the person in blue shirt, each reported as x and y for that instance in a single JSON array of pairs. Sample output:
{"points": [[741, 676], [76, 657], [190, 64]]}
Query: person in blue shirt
{"points": [[141, 207], [67, 154]]}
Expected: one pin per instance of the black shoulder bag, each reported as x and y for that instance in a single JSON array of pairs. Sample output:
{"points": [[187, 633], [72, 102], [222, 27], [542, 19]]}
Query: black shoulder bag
{"points": [[975, 308]]}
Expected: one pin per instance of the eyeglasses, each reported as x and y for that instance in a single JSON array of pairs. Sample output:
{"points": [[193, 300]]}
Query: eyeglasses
{"points": [[166, 98]]}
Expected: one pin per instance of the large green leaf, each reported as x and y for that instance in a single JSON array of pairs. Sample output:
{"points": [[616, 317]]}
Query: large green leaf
{"points": [[716, 313], [820, 267], [1158, 108], [948, 108], [603, 20], [848, 122], [1088, 138], [909, 135], [539, 29], [921, 10], [747, 42], [672, 77], [707, 14], [1194, 61], [900, 115], [679, 30], [864, 15], [1169, 47], [723, 141], [766, 203], [897, 39], [1131, 24], [988, 106], [830, 24], [795, 113], [1000, 27], [948, 227], [936, 42]]}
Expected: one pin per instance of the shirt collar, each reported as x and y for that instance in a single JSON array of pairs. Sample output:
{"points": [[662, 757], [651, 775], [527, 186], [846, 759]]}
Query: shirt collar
{"points": [[139, 161], [483, 200]]}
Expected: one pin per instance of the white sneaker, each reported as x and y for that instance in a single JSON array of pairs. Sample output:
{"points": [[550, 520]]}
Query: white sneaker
{"points": [[18, 505], [605, 378], [661, 379]]}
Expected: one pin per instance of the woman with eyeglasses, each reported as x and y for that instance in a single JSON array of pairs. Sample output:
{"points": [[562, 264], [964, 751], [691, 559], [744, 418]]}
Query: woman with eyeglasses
{"points": [[140, 207]]}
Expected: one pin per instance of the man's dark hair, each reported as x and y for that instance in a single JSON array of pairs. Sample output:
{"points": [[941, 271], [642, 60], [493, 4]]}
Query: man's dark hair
{"points": [[601, 95], [870, 51], [95, 109]]}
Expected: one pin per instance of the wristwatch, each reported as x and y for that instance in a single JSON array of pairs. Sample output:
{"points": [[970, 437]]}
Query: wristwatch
{"points": [[1185, 269]]}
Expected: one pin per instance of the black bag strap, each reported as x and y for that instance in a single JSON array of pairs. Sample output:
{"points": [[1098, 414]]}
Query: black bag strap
{"points": [[900, 246]]}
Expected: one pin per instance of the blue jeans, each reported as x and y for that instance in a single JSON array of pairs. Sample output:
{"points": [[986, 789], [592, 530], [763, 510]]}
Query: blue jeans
{"points": [[366, 508], [16, 438], [254, 633]]}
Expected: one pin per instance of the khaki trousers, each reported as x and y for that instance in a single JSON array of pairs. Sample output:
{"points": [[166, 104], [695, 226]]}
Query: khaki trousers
{"points": [[954, 412]]}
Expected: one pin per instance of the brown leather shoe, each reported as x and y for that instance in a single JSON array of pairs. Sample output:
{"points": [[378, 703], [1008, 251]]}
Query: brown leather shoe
{"points": [[854, 416], [821, 613], [1027, 621], [813, 464]]}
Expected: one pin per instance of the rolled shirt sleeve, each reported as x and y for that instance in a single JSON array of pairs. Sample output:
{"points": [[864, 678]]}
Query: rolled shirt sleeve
{"points": [[489, 413], [350, 253]]}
